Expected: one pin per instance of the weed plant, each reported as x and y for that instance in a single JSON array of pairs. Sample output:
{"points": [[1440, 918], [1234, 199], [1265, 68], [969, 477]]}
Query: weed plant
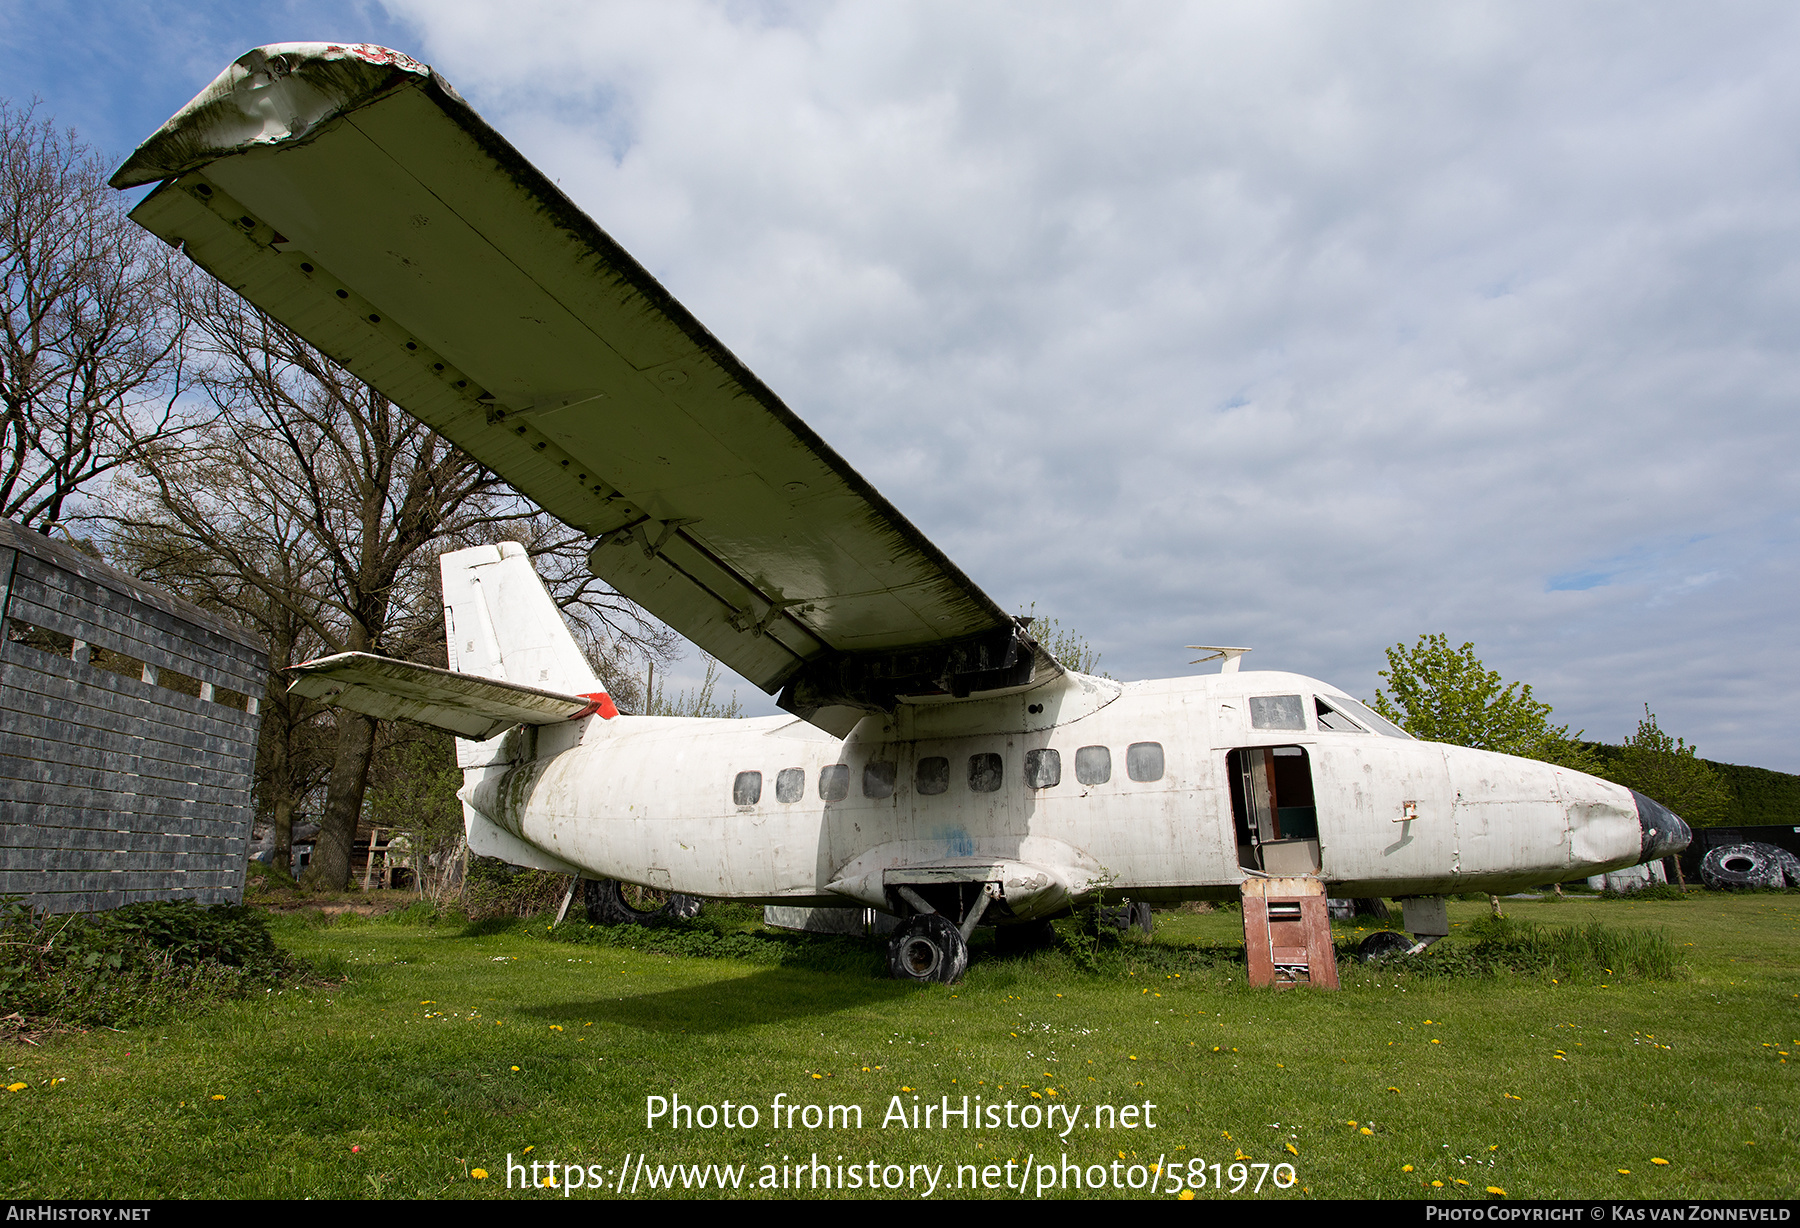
{"points": [[1499, 945], [1655, 891], [134, 964]]}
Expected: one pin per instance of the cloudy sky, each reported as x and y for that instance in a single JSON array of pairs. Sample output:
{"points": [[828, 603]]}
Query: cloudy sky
{"points": [[1312, 327]]}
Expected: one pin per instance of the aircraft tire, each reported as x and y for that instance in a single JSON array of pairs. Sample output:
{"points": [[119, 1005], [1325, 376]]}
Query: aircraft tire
{"points": [[928, 948], [1737, 866], [610, 902], [1383, 944], [1140, 918]]}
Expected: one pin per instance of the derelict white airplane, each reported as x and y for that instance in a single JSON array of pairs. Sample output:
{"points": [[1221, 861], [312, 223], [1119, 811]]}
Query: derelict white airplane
{"points": [[938, 765]]}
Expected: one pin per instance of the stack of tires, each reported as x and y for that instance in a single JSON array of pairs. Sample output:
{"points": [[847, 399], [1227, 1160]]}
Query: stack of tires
{"points": [[1737, 866]]}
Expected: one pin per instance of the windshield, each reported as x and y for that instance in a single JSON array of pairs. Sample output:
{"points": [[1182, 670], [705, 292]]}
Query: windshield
{"points": [[1361, 712]]}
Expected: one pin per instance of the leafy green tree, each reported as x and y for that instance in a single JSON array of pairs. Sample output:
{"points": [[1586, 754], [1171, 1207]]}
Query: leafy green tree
{"points": [[1068, 646], [1444, 694], [697, 702], [1672, 772]]}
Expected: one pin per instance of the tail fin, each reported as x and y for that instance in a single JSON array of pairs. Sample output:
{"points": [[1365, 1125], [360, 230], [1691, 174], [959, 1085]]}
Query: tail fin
{"points": [[502, 623]]}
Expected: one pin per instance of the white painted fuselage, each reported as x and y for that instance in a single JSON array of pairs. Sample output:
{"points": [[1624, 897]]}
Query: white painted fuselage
{"points": [[702, 807]]}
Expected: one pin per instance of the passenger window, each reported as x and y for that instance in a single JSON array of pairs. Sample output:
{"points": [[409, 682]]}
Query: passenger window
{"points": [[984, 773], [933, 776], [1093, 765], [834, 782], [1331, 718], [878, 780], [746, 790], [1276, 712], [790, 785], [1043, 769], [1144, 761]]}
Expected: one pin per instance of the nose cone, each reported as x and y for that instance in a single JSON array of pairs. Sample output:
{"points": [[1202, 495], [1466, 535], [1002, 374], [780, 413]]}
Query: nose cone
{"points": [[1664, 832]]}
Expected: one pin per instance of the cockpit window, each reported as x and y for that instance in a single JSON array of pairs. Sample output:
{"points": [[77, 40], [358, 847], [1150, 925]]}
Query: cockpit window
{"points": [[1276, 712], [1368, 716], [1330, 718]]}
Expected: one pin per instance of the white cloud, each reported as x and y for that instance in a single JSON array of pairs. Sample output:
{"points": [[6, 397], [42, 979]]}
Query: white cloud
{"points": [[1304, 326], [1307, 326]]}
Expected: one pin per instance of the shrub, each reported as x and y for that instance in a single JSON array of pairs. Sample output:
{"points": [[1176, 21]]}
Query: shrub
{"points": [[495, 889], [1502, 944], [133, 964]]}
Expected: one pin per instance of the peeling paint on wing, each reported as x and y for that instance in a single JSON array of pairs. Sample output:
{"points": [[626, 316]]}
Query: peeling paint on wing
{"points": [[273, 94]]}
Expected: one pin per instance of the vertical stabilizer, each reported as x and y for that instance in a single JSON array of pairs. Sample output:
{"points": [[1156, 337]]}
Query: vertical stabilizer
{"points": [[501, 623]]}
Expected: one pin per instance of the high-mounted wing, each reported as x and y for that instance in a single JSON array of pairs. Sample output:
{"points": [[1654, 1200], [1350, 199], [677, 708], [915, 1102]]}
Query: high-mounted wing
{"points": [[350, 193]]}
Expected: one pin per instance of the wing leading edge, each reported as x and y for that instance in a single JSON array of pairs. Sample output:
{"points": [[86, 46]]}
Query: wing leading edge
{"points": [[349, 192]]}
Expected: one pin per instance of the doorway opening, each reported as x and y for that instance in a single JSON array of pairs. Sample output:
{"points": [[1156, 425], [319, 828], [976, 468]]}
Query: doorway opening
{"points": [[1273, 810]]}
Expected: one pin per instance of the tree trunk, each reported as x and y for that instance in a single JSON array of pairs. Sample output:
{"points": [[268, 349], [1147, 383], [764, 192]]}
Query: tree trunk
{"points": [[330, 868], [282, 817]]}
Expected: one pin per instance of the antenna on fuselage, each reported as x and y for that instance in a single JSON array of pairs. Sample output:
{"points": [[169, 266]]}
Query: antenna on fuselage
{"points": [[1228, 657]]}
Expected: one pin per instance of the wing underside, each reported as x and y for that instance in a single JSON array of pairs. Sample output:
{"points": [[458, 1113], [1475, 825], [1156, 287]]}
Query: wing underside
{"points": [[462, 704], [352, 195]]}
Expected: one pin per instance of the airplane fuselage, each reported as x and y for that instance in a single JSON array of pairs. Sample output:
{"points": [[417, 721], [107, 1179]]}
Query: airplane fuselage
{"points": [[1162, 790]]}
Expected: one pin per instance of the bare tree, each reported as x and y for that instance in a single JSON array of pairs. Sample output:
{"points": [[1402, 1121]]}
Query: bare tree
{"points": [[313, 501], [317, 495], [91, 349]]}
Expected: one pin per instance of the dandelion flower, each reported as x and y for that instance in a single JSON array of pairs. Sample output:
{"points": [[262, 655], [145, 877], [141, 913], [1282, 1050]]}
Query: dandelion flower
{"points": [[1366, 1130], [1437, 1185], [1494, 1189], [1186, 1196], [1658, 1160], [1624, 1172], [480, 1174], [1292, 1150], [1406, 1168], [221, 1098], [515, 1067]]}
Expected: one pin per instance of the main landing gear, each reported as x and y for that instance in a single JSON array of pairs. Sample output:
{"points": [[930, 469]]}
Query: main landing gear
{"points": [[929, 945], [928, 948]]}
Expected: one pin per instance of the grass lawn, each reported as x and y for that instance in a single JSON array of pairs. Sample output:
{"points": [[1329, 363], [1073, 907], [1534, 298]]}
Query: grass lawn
{"points": [[450, 1048]]}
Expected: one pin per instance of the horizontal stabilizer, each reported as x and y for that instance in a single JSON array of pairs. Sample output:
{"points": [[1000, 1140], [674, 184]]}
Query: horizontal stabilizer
{"points": [[469, 707]]}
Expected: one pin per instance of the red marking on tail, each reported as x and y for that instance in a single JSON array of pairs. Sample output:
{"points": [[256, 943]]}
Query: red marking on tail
{"points": [[602, 704]]}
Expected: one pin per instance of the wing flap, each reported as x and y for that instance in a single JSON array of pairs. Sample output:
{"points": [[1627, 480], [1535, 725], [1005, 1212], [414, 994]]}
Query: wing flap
{"points": [[462, 704]]}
